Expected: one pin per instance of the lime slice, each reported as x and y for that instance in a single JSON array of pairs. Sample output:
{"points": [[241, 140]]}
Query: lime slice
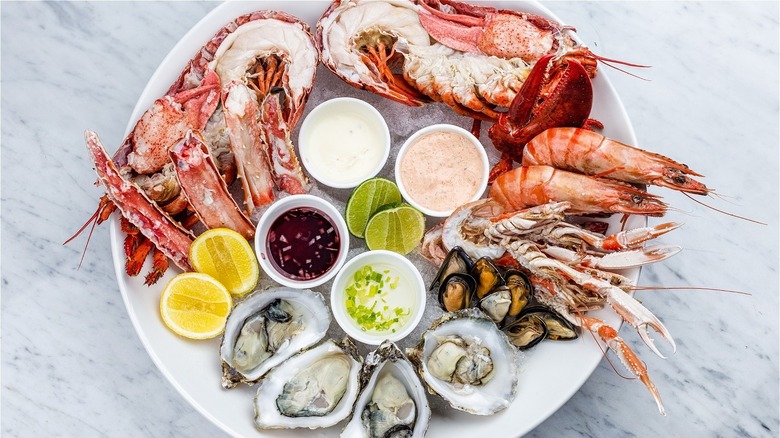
{"points": [[366, 200], [398, 229]]}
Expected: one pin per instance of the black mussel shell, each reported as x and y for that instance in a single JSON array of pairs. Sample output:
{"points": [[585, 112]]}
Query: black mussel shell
{"points": [[457, 261], [487, 275], [496, 303], [527, 331], [558, 328], [520, 288], [457, 292]]}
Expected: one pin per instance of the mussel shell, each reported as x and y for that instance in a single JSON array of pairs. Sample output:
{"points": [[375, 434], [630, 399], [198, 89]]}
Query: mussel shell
{"points": [[520, 289], [496, 303], [526, 331], [487, 275], [456, 292], [456, 261], [558, 328]]}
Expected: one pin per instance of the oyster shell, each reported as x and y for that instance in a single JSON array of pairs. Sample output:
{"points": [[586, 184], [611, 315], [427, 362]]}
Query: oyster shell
{"points": [[393, 402], [465, 359], [315, 388], [268, 327]]}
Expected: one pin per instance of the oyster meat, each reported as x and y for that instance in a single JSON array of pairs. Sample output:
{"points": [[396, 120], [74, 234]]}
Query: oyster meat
{"points": [[465, 359], [392, 403], [315, 388], [268, 327]]}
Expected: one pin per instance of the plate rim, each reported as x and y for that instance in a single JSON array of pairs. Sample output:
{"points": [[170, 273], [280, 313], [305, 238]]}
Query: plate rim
{"points": [[144, 101]]}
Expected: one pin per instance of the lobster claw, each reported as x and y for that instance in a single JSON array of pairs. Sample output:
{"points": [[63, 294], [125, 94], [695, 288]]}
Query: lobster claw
{"points": [[557, 93]]}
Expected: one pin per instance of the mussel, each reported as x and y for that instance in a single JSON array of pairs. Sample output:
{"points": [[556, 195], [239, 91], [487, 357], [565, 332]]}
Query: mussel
{"points": [[536, 323], [457, 261], [558, 328], [520, 289], [456, 292], [487, 275], [496, 303], [526, 331], [504, 302]]}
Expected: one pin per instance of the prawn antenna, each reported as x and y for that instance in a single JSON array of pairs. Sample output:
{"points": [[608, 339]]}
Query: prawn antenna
{"points": [[709, 289], [723, 211]]}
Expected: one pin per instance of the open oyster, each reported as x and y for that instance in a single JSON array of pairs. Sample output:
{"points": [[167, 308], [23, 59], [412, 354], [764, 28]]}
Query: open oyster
{"points": [[315, 388], [392, 403], [468, 361], [268, 327]]}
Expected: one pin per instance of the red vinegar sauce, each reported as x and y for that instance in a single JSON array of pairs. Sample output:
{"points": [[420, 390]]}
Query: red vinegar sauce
{"points": [[303, 243]]}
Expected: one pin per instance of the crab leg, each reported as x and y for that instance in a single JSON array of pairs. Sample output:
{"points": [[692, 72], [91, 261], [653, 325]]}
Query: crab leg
{"points": [[286, 169], [205, 189], [615, 343], [153, 223], [240, 109]]}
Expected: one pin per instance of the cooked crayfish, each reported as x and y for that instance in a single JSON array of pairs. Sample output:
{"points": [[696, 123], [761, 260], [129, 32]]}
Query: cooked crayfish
{"points": [[230, 113], [474, 60], [584, 151], [561, 261]]}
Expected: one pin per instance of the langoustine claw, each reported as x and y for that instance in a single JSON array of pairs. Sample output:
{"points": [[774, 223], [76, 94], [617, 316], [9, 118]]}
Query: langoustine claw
{"points": [[152, 222], [206, 191]]}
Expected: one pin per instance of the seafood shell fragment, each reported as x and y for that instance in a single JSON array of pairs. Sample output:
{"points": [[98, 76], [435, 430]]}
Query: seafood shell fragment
{"points": [[393, 402], [315, 388], [465, 359], [266, 328]]}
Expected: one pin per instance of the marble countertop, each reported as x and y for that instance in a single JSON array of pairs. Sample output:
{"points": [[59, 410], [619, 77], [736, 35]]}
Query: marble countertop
{"points": [[72, 364]]}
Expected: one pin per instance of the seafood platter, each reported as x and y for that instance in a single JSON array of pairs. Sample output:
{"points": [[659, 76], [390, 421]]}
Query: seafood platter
{"points": [[520, 277]]}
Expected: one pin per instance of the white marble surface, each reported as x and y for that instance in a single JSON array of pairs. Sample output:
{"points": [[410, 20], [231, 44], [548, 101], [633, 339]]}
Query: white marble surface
{"points": [[72, 364]]}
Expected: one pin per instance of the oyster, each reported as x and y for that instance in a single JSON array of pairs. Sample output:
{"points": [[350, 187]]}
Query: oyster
{"points": [[268, 327], [315, 388], [392, 403], [468, 361]]}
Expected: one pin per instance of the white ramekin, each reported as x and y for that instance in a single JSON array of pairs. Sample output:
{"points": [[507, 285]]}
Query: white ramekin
{"points": [[277, 209]]}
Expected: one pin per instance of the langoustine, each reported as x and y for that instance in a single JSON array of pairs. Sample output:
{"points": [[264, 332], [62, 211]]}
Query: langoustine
{"points": [[558, 259], [223, 99], [473, 58]]}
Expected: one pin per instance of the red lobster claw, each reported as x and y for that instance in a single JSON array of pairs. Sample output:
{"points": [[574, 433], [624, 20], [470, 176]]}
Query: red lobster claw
{"points": [[557, 93]]}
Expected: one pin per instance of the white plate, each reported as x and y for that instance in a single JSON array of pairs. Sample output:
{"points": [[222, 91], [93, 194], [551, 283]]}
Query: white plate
{"points": [[550, 374]]}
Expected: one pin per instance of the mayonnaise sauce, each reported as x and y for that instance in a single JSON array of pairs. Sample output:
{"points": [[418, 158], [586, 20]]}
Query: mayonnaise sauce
{"points": [[343, 146], [441, 170]]}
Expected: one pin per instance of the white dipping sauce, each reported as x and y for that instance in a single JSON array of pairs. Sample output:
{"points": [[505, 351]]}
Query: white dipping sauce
{"points": [[342, 146]]}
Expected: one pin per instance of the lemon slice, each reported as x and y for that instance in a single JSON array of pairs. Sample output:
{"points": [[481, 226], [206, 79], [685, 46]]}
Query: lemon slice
{"points": [[227, 256], [397, 228], [195, 306]]}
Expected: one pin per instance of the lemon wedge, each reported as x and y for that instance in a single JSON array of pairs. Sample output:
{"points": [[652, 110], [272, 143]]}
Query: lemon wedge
{"points": [[227, 256], [195, 306]]}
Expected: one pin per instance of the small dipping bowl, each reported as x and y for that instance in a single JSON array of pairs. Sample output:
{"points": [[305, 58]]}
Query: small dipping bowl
{"points": [[290, 237], [441, 167], [410, 284], [343, 142]]}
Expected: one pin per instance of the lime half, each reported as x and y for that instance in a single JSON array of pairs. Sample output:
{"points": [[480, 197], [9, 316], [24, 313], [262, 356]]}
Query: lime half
{"points": [[366, 200], [398, 229]]}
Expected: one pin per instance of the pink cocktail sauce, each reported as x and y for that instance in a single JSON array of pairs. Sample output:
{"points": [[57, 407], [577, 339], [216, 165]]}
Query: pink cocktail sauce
{"points": [[441, 170]]}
